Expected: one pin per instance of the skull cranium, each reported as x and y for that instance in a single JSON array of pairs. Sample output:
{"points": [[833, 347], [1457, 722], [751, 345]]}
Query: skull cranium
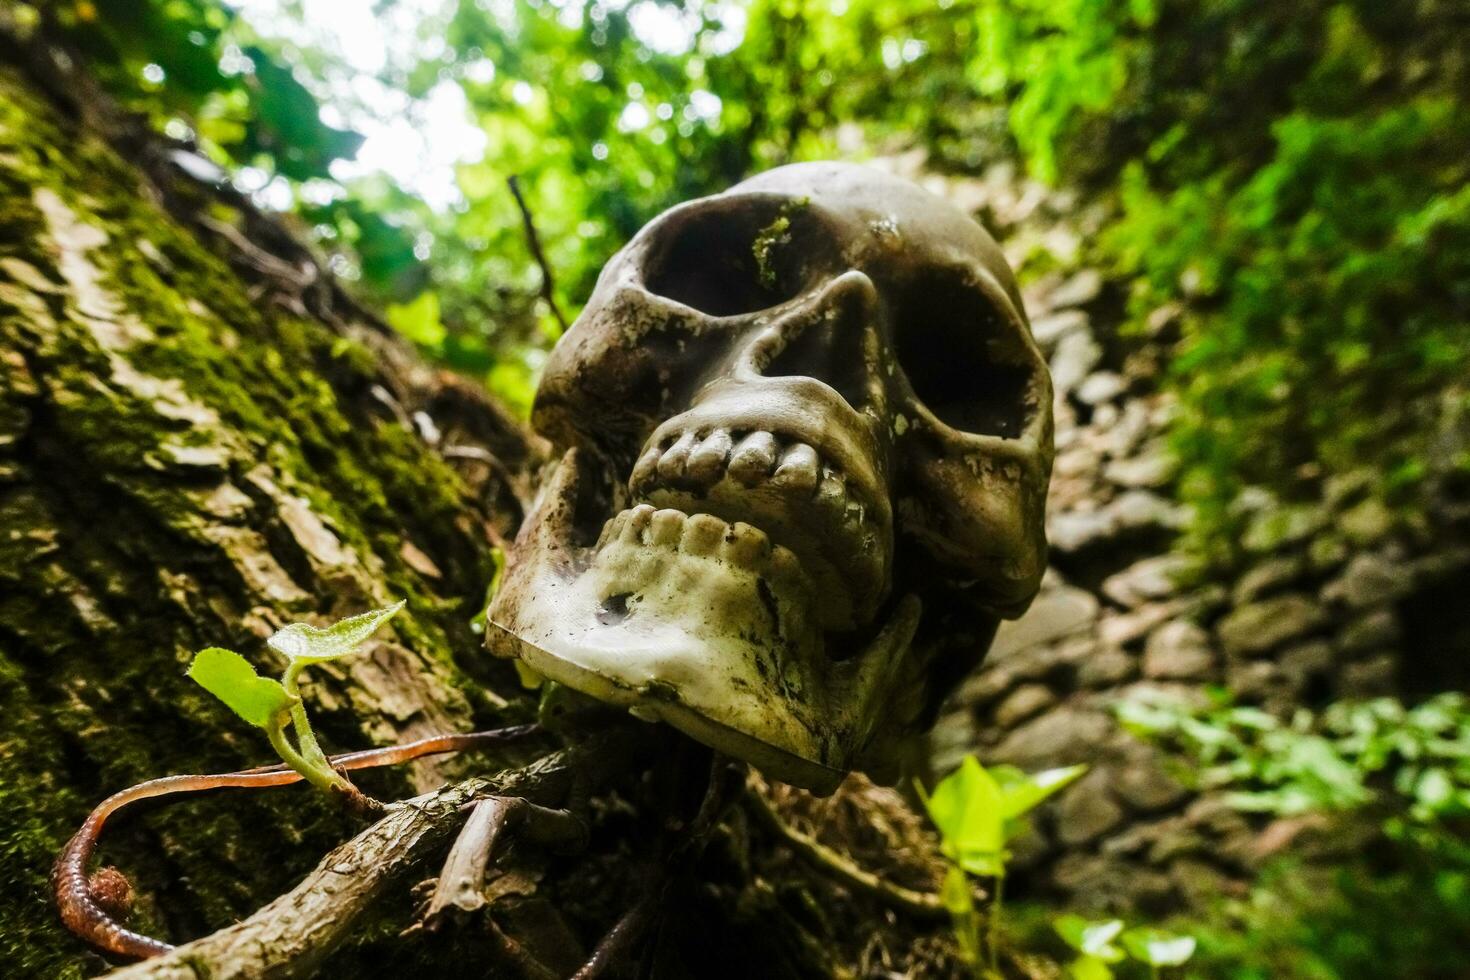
{"points": [[779, 402]]}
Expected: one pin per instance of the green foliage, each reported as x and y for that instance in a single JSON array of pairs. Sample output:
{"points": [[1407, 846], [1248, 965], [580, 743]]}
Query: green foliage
{"points": [[1400, 914], [1417, 760], [1406, 768], [977, 812], [269, 704]]}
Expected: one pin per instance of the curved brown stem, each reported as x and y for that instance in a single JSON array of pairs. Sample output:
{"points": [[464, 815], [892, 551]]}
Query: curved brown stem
{"points": [[85, 916]]}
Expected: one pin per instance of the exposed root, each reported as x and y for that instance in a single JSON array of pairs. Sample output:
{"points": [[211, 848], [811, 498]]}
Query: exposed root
{"points": [[86, 912], [462, 882]]}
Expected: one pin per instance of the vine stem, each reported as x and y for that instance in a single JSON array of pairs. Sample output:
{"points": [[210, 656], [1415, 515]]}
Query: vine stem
{"points": [[992, 926]]}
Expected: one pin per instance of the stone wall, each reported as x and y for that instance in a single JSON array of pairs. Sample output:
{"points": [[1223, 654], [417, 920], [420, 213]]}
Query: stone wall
{"points": [[1337, 599]]}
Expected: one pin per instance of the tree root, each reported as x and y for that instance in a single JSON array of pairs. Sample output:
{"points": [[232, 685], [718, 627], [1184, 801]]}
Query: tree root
{"points": [[292, 935], [86, 912], [461, 883], [919, 904]]}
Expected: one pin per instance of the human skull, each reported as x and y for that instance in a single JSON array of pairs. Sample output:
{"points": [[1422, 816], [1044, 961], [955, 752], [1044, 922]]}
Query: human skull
{"points": [[779, 402]]}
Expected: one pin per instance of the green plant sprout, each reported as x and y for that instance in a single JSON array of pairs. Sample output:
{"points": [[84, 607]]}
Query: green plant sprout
{"points": [[978, 812], [1096, 944], [270, 704]]}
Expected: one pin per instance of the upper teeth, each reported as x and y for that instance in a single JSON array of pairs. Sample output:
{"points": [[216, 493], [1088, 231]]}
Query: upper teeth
{"points": [[692, 461]]}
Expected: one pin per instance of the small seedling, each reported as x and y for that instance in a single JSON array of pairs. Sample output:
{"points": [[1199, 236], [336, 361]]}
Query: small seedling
{"points": [[271, 704], [978, 812], [1097, 946], [1157, 948]]}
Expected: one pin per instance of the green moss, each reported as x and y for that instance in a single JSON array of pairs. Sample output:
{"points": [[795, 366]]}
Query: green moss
{"points": [[112, 568]]}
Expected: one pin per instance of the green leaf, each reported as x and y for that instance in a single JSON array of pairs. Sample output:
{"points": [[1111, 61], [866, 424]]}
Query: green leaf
{"points": [[1158, 948], [1022, 792], [1089, 968], [1091, 938], [307, 644], [418, 320], [967, 807], [229, 677]]}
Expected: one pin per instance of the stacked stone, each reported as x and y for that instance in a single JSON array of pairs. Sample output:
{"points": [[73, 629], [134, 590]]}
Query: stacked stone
{"points": [[1331, 603]]}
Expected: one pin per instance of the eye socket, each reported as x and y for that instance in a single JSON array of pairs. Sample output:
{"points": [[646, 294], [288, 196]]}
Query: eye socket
{"points": [[963, 356], [725, 258]]}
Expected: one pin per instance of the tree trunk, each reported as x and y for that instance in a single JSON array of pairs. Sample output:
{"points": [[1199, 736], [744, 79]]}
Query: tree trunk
{"points": [[203, 438], [199, 442]]}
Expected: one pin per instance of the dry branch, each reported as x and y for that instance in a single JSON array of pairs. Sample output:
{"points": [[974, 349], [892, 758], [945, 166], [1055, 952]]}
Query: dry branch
{"points": [[292, 935]]}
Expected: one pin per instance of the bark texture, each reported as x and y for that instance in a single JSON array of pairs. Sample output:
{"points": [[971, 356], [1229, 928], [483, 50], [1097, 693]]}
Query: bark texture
{"points": [[201, 439]]}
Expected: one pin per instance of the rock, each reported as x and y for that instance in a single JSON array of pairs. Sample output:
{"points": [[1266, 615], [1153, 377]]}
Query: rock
{"points": [[1367, 523], [1203, 884], [1214, 816], [1088, 810], [1342, 489], [1104, 386], [1149, 579], [1073, 530], [1082, 288], [1140, 508], [1050, 329], [1375, 677], [1142, 784], [1055, 613], [1100, 886], [1023, 704], [1060, 737], [1368, 580], [1326, 552], [1153, 468], [1123, 629], [1306, 662], [1075, 357], [1269, 576], [1109, 667], [1178, 650], [1262, 626], [1175, 838], [1272, 528], [1372, 630], [1132, 511], [1255, 681], [1029, 849], [950, 740]]}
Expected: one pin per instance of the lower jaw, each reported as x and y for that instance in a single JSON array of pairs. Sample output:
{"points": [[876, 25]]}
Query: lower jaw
{"points": [[685, 631]]}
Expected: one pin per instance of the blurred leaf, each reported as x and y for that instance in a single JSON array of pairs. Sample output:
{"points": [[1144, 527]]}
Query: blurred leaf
{"points": [[1093, 939], [1158, 948], [418, 320], [968, 808]]}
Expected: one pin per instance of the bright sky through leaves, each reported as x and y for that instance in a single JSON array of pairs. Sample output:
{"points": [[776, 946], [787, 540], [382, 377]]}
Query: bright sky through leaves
{"points": [[419, 142]]}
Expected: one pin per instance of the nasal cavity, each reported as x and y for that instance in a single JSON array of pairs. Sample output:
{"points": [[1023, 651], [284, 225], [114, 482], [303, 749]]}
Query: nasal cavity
{"points": [[731, 257], [830, 349]]}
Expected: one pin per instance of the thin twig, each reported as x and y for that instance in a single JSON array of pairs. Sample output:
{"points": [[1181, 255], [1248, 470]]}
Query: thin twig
{"points": [[922, 905], [533, 240]]}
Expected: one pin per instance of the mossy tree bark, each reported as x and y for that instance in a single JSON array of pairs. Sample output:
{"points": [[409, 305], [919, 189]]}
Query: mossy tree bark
{"points": [[202, 440]]}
